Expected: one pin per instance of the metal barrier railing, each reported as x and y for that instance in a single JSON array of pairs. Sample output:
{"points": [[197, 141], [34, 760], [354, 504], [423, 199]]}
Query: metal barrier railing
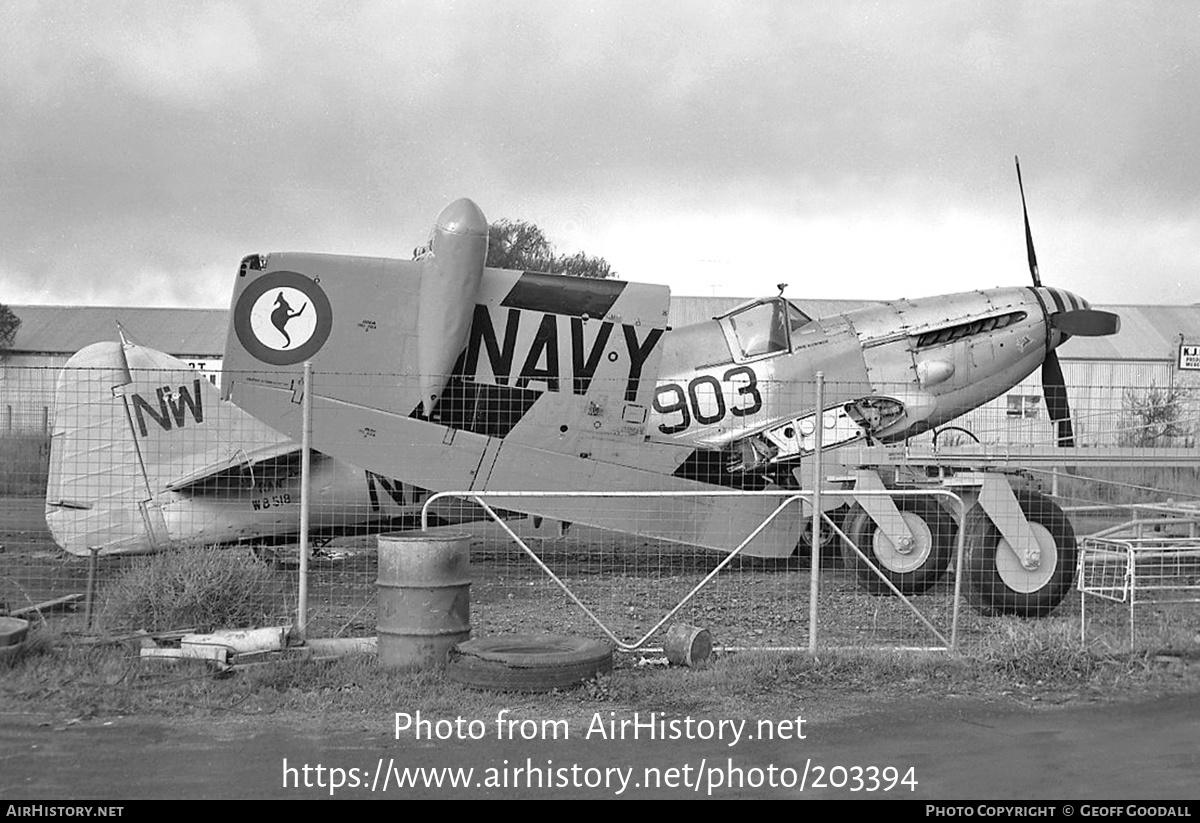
{"points": [[1137, 571], [788, 498]]}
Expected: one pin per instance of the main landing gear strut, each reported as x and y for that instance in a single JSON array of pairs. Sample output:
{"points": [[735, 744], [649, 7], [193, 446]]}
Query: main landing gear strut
{"points": [[1019, 548]]}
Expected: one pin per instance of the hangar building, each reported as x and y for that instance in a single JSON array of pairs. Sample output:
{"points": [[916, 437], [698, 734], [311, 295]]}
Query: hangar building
{"points": [[49, 335], [1111, 380]]}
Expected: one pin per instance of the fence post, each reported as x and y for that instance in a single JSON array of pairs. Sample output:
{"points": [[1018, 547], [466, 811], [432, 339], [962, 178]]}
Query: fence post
{"points": [[91, 586], [815, 566], [305, 484]]}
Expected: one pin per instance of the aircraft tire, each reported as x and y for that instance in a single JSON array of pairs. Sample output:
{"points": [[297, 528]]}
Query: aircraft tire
{"points": [[911, 573], [996, 582], [528, 663]]}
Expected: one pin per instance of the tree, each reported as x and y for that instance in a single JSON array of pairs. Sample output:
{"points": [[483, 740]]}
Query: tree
{"points": [[1157, 415], [522, 246], [9, 323], [584, 265], [517, 244]]}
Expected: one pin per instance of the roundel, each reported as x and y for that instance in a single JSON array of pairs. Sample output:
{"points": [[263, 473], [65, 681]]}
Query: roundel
{"points": [[283, 318]]}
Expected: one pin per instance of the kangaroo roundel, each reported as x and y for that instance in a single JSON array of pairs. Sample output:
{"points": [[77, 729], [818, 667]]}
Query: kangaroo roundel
{"points": [[283, 318]]}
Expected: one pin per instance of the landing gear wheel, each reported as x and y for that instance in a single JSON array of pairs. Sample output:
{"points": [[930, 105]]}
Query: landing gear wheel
{"points": [[913, 569], [997, 583]]}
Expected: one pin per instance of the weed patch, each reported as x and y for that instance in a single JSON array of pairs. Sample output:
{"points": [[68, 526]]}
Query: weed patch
{"points": [[194, 588], [1047, 650]]}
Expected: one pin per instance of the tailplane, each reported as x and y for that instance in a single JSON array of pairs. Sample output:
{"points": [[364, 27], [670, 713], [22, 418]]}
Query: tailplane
{"points": [[130, 425]]}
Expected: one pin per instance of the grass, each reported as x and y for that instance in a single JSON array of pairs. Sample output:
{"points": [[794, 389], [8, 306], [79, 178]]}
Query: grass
{"points": [[198, 588], [1122, 485], [1022, 660], [203, 589], [1048, 651]]}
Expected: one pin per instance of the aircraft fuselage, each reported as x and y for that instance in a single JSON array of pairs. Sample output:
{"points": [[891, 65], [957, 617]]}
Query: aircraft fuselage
{"points": [[899, 367]]}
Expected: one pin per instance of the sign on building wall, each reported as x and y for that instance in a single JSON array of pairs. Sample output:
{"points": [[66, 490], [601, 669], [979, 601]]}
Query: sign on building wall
{"points": [[1189, 357]]}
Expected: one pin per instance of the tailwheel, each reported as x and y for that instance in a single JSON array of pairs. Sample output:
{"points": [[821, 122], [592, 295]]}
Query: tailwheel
{"points": [[831, 551], [997, 581], [912, 569]]}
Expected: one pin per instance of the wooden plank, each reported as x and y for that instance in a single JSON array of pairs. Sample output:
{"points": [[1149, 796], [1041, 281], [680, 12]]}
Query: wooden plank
{"points": [[50, 605]]}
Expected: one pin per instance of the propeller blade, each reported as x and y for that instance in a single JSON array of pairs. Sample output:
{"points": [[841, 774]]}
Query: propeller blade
{"points": [[1086, 323], [1055, 390], [1033, 266]]}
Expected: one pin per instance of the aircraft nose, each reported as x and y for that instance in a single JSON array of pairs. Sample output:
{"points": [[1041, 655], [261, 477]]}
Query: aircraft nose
{"points": [[1069, 314], [1062, 300], [1075, 300], [463, 217]]}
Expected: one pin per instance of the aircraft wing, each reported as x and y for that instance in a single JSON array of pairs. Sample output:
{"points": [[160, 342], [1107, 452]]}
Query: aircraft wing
{"points": [[550, 386]]}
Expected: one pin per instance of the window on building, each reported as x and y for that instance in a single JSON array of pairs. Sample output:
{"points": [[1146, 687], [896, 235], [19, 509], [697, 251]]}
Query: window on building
{"points": [[1024, 406]]}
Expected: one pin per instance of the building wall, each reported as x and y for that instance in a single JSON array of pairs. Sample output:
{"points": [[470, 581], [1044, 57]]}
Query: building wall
{"points": [[27, 391], [27, 384], [1111, 403]]}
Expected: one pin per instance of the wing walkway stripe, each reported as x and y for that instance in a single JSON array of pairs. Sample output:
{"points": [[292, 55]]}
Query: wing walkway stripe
{"points": [[558, 294]]}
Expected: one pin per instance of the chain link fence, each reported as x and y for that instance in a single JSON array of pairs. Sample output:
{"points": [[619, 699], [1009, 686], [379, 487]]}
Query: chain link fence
{"points": [[138, 459]]}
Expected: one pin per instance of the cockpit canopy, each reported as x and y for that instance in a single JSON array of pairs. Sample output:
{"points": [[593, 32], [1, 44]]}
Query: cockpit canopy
{"points": [[761, 328]]}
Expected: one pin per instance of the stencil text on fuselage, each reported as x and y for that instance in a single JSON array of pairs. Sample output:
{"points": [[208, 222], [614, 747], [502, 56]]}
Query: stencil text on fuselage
{"points": [[528, 349]]}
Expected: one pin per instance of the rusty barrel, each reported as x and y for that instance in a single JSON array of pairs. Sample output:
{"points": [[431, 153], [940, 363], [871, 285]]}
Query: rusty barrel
{"points": [[424, 588]]}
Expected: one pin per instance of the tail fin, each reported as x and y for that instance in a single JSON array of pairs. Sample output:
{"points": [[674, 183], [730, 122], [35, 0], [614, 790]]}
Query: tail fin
{"points": [[130, 422]]}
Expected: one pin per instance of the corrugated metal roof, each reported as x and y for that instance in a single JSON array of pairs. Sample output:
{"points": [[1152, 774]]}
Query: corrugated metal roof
{"points": [[67, 329], [1147, 332]]}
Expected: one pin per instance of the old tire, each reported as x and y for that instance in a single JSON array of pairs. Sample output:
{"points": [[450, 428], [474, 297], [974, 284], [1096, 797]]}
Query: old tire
{"points": [[913, 571], [13, 631], [997, 583], [528, 662]]}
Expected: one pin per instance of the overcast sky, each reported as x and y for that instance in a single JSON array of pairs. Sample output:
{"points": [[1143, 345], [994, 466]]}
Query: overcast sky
{"points": [[851, 150]]}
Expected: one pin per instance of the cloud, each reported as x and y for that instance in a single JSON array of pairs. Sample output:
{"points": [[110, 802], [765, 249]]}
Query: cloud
{"points": [[190, 56], [152, 144]]}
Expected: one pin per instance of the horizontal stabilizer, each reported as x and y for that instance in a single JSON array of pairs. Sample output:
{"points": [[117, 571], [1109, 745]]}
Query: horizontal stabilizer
{"points": [[129, 424]]}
